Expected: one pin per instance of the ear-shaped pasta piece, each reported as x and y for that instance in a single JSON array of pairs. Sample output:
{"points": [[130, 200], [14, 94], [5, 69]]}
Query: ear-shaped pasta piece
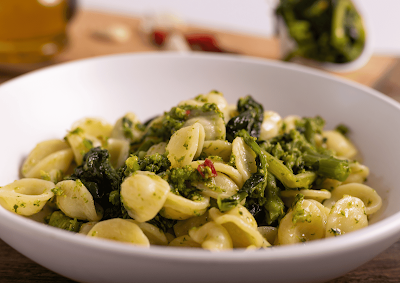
{"points": [[324, 210], [184, 241], [228, 170], [214, 97], [244, 158], [126, 128], [347, 215], [57, 161], [157, 148], [219, 148], [318, 195], [77, 202], [43, 150], [305, 223], [155, 235], [271, 125], [211, 236], [81, 143], [230, 112], [143, 195], [211, 97], [86, 227], [268, 232], [122, 230], [358, 173], [220, 186], [330, 184], [340, 144], [94, 127], [213, 124], [182, 228], [368, 195], [185, 145], [241, 226], [180, 208], [289, 123], [119, 151], [26, 196]]}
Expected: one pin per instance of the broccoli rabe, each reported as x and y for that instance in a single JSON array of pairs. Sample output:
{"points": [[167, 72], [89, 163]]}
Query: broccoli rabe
{"points": [[250, 118], [60, 220], [100, 178], [255, 185]]}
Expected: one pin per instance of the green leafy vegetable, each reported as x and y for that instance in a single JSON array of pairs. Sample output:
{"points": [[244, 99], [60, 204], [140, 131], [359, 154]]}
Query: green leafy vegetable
{"points": [[324, 30], [251, 115], [60, 220]]}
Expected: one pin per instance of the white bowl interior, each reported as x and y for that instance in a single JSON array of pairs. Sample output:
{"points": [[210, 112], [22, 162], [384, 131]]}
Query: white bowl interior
{"points": [[44, 104]]}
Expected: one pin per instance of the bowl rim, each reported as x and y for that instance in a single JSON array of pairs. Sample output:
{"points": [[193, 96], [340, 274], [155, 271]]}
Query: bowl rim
{"points": [[381, 230]]}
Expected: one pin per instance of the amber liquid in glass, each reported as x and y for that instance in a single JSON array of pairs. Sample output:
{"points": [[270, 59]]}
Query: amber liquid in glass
{"points": [[32, 31]]}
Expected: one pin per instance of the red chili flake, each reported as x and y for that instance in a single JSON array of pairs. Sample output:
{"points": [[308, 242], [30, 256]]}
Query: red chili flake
{"points": [[158, 37], [187, 112], [204, 42], [207, 163]]}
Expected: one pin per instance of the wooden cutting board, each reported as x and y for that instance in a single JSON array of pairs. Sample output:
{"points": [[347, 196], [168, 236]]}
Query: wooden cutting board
{"points": [[83, 43]]}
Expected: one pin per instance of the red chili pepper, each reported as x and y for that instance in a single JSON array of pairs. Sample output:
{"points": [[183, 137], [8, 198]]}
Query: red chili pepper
{"points": [[203, 42], [187, 112], [158, 37], [207, 163]]}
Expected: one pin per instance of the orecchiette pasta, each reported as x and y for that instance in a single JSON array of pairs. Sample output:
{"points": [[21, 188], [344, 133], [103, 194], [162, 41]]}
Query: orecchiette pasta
{"points": [[271, 125], [205, 174], [181, 208], [211, 236], [340, 144], [120, 230], [241, 225], [143, 195], [369, 196], [76, 201], [304, 223], [185, 145], [348, 214], [26, 196], [127, 128], [46, 156], [244, 158]]}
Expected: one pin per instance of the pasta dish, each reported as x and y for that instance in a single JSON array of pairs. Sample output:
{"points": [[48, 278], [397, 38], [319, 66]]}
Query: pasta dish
{"points": [[205, 174]]}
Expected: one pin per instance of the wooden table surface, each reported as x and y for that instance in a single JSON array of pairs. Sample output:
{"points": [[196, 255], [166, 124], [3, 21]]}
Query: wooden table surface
{"points": [[381, 73]]}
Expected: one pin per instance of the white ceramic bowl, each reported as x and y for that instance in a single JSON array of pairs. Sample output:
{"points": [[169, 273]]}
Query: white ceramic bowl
{"points": [[43, 105]]}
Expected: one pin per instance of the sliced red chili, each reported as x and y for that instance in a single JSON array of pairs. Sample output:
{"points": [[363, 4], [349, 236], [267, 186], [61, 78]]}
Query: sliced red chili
{"points": [[207, 163], [158, 37]]}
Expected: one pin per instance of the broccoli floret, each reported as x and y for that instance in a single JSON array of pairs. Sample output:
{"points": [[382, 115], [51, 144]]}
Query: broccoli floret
{"points": [[296, 162], [181, 179], [343, 129], [176, 118], [60, 220], [156, 163]]}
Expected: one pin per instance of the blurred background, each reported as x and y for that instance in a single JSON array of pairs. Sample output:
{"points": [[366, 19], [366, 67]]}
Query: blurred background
{"points": [[39, 33], [254, 16]]}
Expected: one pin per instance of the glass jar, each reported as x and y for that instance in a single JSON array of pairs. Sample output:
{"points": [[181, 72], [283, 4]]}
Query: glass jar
{"points": [[33, 31]]}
